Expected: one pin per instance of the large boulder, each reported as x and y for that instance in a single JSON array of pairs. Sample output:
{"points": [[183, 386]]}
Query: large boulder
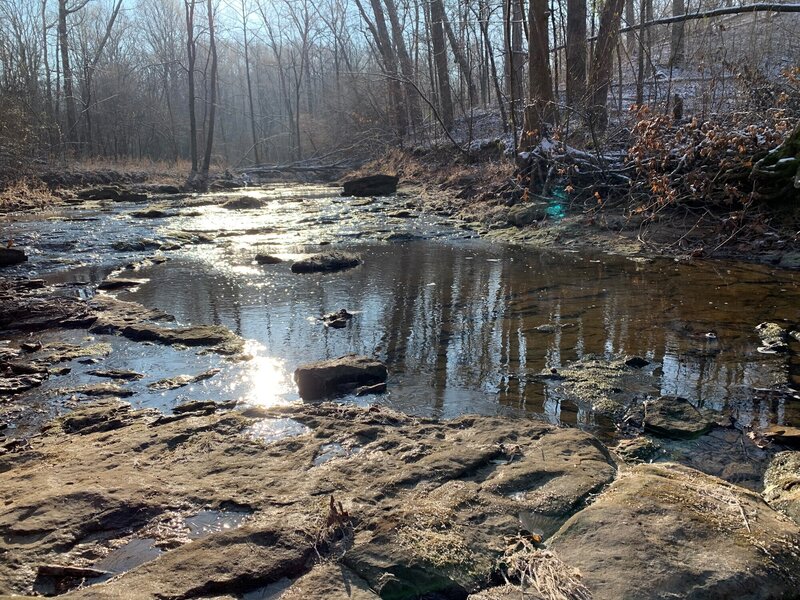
{"points": [[11, 256], [667, 531], [330, 377], [782, 484], [372, 185]]}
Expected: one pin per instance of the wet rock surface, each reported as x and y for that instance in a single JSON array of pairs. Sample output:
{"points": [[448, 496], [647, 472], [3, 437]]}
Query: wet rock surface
{"points": [[675, 417], [400, 526], [773, 337], [326, 262], [338, 319], [331, 377]]}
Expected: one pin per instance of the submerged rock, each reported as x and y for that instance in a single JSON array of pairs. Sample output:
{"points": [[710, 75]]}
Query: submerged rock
{"points": [[119, 283], [101, 390], [182, 380], [11, 256], [669, 531], [117, 374], [774, 338], [135, 322], [639, 449], [675, 417], [372, 185], [326, 262], [330, 377]]}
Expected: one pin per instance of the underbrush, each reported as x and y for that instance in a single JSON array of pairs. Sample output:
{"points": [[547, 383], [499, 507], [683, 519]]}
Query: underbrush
{"points": [[26, 194]]}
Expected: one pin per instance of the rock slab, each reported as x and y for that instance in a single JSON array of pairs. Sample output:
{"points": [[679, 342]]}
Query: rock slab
{"points": [[667, 531]]}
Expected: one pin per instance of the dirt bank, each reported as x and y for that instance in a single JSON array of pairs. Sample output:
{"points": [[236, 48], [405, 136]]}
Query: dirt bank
{"points": [[481, 193]]}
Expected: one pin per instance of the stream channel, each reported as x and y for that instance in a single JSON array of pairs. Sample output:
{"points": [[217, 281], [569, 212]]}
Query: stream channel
{"points": [[464, 325]]}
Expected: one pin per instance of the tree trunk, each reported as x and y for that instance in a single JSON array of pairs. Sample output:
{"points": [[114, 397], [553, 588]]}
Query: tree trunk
{"points": [[460, 58], [600, 72], [406, 67], [515, 61], [540, 108], [576, 52], [212, 44], [389, 60], [66, 70], [440, 59], [249, 84], [190, 59], [678, 40]]}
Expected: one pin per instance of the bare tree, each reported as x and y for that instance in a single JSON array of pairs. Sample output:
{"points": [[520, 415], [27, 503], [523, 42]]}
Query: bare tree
{"points": [[576, 52], [65, 8], [600, 71], [440, 60], [539, 111]]}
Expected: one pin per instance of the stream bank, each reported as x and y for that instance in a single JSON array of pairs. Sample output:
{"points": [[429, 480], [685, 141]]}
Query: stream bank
{"points": [[213, 480]]}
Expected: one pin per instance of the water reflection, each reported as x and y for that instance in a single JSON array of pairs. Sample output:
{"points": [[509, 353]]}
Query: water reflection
{"points": [[463, 326]]}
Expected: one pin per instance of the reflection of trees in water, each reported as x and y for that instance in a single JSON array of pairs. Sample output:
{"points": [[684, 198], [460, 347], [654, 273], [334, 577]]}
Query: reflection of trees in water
{"points": [[448, 323]]}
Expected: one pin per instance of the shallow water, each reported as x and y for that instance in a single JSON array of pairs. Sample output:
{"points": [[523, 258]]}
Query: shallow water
{"points": [[462, 324]]}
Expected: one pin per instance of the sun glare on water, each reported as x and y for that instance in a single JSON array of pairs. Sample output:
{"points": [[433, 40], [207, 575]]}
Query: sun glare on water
{"points": [[269, 382]]}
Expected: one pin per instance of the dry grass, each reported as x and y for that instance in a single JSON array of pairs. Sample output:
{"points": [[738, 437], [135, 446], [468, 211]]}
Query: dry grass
{"points": [[167, 172], [440, 168], [542, 571], [26, 194]]}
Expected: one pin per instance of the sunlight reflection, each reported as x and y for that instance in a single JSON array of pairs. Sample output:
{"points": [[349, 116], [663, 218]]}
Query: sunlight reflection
{"points": [[270, 384]]}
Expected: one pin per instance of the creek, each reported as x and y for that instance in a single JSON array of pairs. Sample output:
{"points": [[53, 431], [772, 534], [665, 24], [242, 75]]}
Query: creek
{"points": [[464, 325]]}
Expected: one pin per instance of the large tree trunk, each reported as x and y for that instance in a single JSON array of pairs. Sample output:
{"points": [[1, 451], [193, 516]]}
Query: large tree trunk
{"points": [[600, 72], [66, 70], [540, 108], [577, 52], [212, 111], [190, 66], [677, 53], [515, 55], [250, 84], [440, 58]]}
